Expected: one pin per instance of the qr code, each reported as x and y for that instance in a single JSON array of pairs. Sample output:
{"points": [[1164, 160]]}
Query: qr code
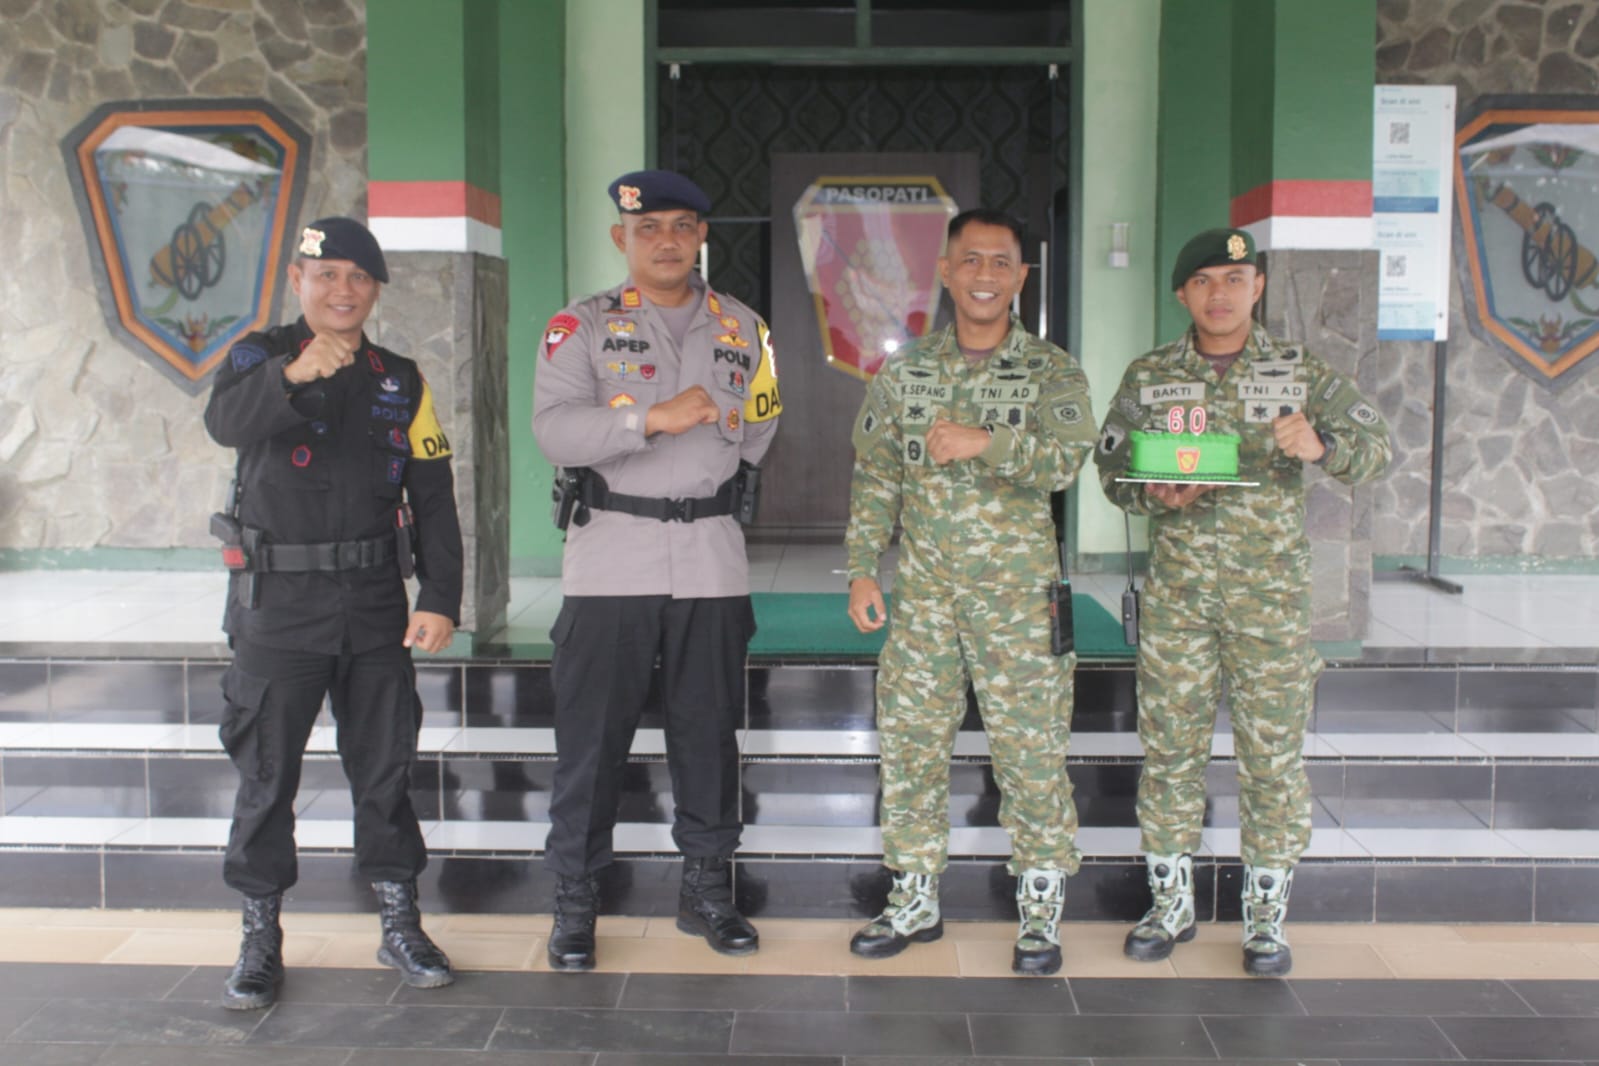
{"points": [[1397, 266], [1398, 133]]}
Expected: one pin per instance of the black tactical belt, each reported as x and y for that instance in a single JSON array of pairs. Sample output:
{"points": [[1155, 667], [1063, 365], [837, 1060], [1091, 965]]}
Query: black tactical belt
{"points": [[686, 509], [340, 555]]}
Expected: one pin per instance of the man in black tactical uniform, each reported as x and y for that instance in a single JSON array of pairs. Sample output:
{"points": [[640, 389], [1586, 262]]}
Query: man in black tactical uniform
{"points": [[343, 487]]}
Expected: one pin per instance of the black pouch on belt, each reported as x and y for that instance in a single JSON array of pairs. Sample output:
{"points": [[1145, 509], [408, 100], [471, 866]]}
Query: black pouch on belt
{"points": [[1062, 634]]}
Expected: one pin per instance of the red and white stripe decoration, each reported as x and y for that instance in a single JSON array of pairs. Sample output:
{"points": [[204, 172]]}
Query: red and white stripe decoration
{"points": [[1307, 214], [434, 216]]}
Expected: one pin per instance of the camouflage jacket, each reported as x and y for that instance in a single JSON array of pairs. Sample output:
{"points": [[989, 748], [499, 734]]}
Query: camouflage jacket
{"points": [[1161, 390], [982, 521]]}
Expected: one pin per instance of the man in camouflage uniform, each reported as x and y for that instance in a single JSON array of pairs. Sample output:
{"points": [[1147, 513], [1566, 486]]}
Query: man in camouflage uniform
{"points": [[1228, 593], [961, 439]]}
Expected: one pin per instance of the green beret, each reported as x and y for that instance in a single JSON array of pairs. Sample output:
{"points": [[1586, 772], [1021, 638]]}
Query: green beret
{"points": [[1214, 247]]}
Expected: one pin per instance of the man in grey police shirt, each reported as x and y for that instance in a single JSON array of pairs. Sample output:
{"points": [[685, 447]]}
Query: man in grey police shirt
{"points": [[657, 388]]}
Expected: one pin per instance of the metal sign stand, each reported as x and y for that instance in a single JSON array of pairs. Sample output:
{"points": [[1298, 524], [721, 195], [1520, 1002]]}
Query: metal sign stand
{"points": [[1429, 576]]}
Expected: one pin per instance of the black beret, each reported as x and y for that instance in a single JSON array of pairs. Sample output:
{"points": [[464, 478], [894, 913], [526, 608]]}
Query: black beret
{"points": [[658, 190], [344, 238], [1214, 247]]}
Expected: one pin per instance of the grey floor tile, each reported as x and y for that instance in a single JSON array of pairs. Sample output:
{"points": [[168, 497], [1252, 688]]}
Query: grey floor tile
{"points": [[47, 980], [300, 985], [1523, 1038], [608, 1058], [13, 1012], [1003, 995], [385, 1057], [1409, 998], [233, 1056], [109, 1021], [361, 1026], [1196, 996], [520, 990], [1118, 1061], [681, 1032], [51, 1054], [660, 991], [1151, 1036], [979, 1060], [1578, 999], [853, 1033], [1341, 1037]]}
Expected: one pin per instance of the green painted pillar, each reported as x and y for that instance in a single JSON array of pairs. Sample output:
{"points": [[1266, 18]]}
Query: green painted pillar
{"points": [[1301, 122]]}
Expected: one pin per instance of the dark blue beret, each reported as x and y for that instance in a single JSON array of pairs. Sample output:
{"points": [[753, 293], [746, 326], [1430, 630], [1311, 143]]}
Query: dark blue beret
{"points": [[658, 190], [1214, 247], [344, 238]]}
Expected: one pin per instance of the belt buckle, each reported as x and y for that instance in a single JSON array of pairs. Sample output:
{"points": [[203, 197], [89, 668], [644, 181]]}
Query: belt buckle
{"points": [[679, 510]]}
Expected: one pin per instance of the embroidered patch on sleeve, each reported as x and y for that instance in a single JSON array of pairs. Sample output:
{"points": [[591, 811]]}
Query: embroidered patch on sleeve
{"points": [[561, 327]]}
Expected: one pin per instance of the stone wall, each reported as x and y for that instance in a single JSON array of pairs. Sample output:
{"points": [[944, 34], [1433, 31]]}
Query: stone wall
{"points": [[97, 448], [1328, 301], [448, 311], [1518, 457]]}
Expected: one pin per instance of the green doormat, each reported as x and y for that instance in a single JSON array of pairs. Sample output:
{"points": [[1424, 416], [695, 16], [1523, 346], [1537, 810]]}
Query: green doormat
{"points": [[817, 623]]}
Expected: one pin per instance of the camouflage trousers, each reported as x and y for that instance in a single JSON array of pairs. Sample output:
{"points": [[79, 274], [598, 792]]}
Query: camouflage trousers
{"points": [[1257, 637], [938, 639]]}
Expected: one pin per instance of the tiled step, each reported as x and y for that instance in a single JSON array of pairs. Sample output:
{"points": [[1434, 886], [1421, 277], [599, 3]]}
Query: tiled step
{"points": [[1470, 784]]}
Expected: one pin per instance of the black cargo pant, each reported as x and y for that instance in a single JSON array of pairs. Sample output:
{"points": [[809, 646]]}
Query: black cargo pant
{"points": [[273, 698], [605, 653]]}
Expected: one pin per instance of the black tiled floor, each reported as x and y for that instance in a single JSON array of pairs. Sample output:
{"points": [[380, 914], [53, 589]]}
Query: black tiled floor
{"points": [[69, 1015]]}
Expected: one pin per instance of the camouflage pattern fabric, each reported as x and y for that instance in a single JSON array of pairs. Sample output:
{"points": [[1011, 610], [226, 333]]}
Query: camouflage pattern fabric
{"points": [[1228, 593], [977, 556]]}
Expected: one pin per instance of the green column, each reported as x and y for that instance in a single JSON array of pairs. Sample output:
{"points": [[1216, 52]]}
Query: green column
{"points": [[532, 67]]}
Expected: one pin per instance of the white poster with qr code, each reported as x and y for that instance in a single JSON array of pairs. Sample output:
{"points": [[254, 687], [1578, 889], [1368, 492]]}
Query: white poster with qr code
{"points": [[1412, 196]]}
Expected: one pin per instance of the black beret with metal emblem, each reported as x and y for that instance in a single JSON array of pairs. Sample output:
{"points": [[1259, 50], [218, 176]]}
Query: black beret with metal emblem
{"points": [[337, 237], [1214, 247], [643, 191]]}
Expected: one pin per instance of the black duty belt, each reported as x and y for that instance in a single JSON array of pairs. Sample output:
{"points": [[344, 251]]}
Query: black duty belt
{"points": [[339, 555], [597, 494]]}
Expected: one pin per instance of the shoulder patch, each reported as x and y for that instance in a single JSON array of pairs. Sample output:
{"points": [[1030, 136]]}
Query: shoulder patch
{"points": [[560, 327], [764, 403], [1365, 414], [246, 354]]}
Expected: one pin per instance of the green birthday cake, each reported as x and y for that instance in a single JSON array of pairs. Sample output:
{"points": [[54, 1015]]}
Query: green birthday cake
{"points": [[1183, 456]]}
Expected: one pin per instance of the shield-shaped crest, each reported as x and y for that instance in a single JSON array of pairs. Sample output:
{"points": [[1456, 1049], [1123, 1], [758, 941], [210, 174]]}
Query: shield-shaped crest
{"points": [[187, 207], [870, 248], [1527, 183]]}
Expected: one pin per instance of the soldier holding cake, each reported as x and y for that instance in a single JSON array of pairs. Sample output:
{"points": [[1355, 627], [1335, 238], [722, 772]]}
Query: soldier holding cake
{"points": [[1209, 436]]}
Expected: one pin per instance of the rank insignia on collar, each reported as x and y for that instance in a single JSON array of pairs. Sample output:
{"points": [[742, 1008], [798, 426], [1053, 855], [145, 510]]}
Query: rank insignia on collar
{"points": [[1236, 248], [311, 241], [712, 304], [631, 299]]}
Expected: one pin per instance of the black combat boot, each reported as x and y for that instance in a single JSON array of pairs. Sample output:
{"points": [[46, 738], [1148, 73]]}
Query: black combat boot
{"points": [[705, 907], [571, 945], [405, 946], [254, 982]]}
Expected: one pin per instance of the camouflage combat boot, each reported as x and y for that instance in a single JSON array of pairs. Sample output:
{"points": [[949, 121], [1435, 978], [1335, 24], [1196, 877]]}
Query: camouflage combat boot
{"points": [[1170, 918], [1040, 894], [911, 916], [254, 982], [1266, 952]]}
